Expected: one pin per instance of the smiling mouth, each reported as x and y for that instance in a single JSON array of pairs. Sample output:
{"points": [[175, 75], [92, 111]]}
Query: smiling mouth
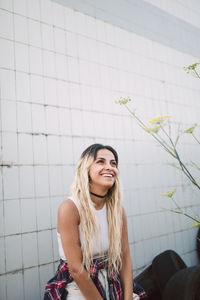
{"points": [[107, 175]]}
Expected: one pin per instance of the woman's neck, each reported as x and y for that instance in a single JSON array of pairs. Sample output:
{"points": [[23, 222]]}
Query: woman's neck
{"points": [[98, 196]]}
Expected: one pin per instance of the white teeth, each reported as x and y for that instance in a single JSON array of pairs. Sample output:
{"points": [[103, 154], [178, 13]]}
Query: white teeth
{"points": [[107, 175]]}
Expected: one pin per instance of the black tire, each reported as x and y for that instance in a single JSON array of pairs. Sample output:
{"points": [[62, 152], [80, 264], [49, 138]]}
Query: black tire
{"points": [[165, 265], [147, 280], [184, 285], [198, 244]]}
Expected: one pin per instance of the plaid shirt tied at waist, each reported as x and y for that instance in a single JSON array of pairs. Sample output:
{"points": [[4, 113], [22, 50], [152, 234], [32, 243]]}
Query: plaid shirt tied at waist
{"points": [[56, 287]]}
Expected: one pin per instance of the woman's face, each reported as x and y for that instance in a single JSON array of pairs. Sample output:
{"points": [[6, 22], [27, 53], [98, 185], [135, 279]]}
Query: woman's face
{"points": [[104, 170]]}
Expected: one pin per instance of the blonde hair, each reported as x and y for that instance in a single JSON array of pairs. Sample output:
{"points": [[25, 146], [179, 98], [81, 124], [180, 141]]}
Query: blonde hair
{"points": [[88, 221]]}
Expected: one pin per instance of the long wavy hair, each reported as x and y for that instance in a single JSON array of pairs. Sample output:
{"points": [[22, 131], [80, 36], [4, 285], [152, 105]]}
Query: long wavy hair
{"points": [[89, 225]]}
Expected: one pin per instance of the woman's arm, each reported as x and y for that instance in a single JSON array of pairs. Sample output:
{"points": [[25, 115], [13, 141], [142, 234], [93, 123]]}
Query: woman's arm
{"points": [[126, 274], [68, 221]]}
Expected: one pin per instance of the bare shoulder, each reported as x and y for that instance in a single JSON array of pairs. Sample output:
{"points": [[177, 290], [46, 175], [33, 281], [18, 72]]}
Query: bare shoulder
{"points": [[68, 211]]}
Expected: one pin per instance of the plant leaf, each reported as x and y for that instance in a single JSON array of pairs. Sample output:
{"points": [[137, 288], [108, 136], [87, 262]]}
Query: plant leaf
{"points": [[175, 166], [191, 129], [169, 194]]}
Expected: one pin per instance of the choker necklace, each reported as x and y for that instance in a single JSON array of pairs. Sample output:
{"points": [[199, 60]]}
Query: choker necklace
{"points": [[99, 196]]}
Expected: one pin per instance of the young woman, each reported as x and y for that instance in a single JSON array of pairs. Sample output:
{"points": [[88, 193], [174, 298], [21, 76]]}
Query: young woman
{"points": [[92, 234]]}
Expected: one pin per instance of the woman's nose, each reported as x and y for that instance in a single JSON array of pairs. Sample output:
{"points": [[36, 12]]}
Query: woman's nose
{"points": [[108, 166]]}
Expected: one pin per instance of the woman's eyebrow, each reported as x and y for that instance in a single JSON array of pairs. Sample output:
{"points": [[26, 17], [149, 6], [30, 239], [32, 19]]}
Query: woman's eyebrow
{"points": [[105, 159]]}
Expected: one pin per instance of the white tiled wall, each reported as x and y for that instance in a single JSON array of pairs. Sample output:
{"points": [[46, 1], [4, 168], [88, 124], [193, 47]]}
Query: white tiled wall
{"points": [[60, 73], [182, 9]]}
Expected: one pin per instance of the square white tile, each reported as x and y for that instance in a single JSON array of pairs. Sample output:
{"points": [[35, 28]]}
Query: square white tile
{"points": [[64, 121], [90, 26], [33, 8], [23, 86], [41, 181], [40, 149], [11, 178], [7, 80], [9, 147], [55, 180], [70, 23], [6, 25], [38, 119], [71, 43], [47, 36], [36, 61], [20, 7], [43, 213], [31, 284], [16, 281], [22, 57], [30, 245], [80, 20], [55, 202], [20, 29], [3, 282], [2, 257], [88, 123], [24, 117], [2, 227], [60, 42], [46, 11], [75, 96], [55, 246], [35, 35], [28, 215], [13, 254], [58, 15], [45, 247], [63, 93], [26, 176], [73, 69], [66, 150], [6, 4], [49, 63], [37, 88], [25, 148], [46, 272], [83, 50], [50, 92], [68, 173], [52, 124], [77, 122], [139, 255], [53, 150], [61, 66], [6, 54]]}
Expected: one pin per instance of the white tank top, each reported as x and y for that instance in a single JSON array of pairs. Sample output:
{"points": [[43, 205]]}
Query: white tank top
{"points": [[97, 247]]}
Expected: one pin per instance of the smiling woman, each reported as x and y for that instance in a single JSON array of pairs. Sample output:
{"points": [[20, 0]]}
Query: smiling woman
{"points": [[102, 175], [95, 261]]}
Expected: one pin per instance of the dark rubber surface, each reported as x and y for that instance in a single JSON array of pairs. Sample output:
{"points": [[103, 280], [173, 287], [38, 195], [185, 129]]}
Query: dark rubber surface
{"points": [[184, 285], [165, 265]]}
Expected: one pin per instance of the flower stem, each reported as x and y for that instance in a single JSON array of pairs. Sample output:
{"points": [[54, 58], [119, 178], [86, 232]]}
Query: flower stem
{"points": [[197, 74], [183, 167], [180, 211], [195, 138], [142, 125]]}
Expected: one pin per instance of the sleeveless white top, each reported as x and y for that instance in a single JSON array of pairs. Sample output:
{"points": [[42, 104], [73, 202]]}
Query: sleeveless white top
{"points": [[97, 247]]}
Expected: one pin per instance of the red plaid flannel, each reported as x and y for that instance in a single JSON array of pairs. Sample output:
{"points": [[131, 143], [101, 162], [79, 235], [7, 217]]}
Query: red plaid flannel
{"points": [[56, 287]]}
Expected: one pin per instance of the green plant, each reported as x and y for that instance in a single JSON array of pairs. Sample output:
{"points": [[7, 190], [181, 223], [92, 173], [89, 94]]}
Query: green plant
{"points": [[160, 129]]}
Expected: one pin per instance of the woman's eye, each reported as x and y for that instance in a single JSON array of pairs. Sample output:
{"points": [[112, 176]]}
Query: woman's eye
{"points": [[112, 163]]}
